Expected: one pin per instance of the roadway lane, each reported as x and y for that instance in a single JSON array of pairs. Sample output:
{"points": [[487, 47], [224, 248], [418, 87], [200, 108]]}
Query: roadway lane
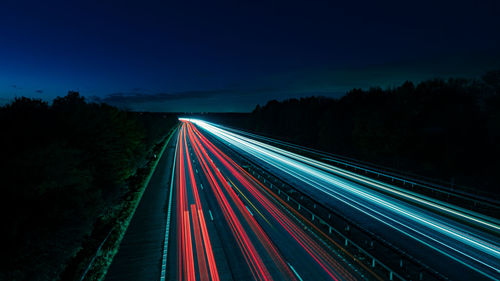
{"points": [[435, 189], [225, 226], [139, 257], [439, 235]]}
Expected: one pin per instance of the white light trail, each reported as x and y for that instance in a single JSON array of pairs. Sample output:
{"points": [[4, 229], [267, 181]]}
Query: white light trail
{"points": [[321, 177]]}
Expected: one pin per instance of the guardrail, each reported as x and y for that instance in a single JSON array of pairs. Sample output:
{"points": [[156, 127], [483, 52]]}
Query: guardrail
{"points": [[350, 234], [481, 202], [413, 183], [370, 249]]}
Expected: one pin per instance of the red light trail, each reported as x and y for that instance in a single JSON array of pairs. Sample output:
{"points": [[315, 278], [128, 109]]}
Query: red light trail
{"points": [[203, 245], [263, 257]]}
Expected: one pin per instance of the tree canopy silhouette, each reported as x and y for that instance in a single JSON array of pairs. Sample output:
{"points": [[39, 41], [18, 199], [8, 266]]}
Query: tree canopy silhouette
{"points": [[448, 129], [61, 166]]}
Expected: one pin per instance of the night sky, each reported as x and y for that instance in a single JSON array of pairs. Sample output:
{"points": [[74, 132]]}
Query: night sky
{"points": [[230, 56]]}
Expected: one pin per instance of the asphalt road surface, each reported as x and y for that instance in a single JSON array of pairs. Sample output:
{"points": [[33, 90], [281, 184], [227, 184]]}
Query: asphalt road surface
{"points": [[212, 220], [225, 226], [459, 244], [139, 256]]}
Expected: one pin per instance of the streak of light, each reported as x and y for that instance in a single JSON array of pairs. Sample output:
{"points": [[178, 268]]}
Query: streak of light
{"points": [[331, 267], [188, 214], [388, 211]]}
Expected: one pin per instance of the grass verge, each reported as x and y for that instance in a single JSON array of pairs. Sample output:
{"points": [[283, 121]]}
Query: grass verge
{"points": [[97, 252]]}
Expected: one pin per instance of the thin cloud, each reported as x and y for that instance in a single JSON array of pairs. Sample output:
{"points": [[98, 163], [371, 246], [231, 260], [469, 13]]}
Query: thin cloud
{"points": [[121, 98], [225, 100]]}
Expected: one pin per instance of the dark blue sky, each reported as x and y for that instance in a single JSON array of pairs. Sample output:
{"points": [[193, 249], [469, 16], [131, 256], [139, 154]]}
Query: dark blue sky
{"points": [[229, 56]]}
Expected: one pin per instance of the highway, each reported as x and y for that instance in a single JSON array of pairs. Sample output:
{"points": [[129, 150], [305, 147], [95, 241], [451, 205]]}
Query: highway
{"points": [[457, 243], [224, 224]]}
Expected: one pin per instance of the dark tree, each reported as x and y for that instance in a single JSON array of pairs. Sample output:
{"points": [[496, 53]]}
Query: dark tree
{"points": [[447, 129], [61, 167]]}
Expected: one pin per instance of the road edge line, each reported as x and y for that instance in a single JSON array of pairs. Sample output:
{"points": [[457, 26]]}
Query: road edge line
{"points": [[167, 226]]}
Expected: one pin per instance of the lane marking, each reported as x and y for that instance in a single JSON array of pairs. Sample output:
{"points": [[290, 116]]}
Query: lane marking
{"points": [[294, 271], [249, 210], [211, 217], [167, 230], [277, 160], [248, 201]]}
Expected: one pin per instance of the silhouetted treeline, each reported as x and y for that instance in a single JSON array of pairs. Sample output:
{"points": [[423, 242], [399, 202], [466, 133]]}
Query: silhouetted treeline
{"points": [[61, 166], [448, 129]]}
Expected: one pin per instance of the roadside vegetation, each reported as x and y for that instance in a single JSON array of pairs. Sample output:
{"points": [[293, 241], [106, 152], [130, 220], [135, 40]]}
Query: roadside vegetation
{"points": [[444, 129], [70, 172]]}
